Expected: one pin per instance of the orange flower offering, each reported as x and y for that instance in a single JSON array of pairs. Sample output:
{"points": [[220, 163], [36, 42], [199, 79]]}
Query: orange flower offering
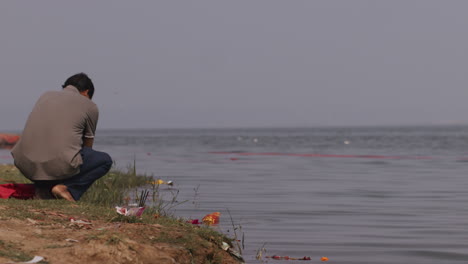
{"points": [[211, 219]]}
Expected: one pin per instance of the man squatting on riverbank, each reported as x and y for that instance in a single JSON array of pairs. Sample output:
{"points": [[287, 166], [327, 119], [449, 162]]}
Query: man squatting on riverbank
{"points": [[55, 148]]}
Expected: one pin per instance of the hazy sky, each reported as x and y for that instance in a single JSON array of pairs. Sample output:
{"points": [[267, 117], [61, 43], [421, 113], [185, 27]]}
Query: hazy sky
{"points": [[158, 64]]}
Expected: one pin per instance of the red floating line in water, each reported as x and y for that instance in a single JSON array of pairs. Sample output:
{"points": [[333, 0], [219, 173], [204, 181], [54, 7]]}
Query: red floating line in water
{"points": [[318, 155]]}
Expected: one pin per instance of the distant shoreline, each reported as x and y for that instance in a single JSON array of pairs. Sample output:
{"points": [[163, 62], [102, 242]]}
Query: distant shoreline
{"points": [[220, 128]]}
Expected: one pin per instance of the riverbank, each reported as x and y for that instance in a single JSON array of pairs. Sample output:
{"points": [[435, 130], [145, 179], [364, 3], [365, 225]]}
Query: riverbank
{"points": [[88, 232]]}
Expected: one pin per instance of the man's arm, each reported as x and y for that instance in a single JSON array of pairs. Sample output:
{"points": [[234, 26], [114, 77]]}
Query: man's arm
{"points": [[92, 115], [88, 142]]}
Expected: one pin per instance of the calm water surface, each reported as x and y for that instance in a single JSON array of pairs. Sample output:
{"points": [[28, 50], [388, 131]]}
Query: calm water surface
{"points": [[355, 195]]}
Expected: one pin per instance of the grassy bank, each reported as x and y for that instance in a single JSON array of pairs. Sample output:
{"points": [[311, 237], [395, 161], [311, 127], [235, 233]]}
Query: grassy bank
{"points": [[91, 231]]}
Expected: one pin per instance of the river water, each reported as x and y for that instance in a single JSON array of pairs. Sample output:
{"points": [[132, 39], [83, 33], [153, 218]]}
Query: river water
{"points": [[353, 194]]}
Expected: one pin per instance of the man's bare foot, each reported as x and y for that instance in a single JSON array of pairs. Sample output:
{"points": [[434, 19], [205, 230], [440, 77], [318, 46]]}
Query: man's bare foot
{"points": [[61, 191]]}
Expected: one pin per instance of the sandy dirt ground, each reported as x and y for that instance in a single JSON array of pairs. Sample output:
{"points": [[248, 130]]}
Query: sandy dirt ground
{"points": [[61, 238]]}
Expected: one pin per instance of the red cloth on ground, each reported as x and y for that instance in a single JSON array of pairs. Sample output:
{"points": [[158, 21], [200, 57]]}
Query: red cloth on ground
{"points": [[16, 190]]}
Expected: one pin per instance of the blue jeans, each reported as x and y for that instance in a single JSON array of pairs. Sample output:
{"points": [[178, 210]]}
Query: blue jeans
{"points": [[95, 165]]}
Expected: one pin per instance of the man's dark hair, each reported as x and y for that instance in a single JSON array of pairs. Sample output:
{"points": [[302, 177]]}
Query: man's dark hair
{"points": [[82, 82]]}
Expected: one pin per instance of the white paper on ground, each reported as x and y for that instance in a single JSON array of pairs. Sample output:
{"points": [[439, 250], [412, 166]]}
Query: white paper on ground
{"points": [[36, 259]]}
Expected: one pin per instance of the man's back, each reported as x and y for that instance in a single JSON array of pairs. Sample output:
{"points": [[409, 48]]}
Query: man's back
{"points": [[53, 135]]}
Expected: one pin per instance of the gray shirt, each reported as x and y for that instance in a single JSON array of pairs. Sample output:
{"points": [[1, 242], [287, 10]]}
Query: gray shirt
{"points": [[49, 147]]}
